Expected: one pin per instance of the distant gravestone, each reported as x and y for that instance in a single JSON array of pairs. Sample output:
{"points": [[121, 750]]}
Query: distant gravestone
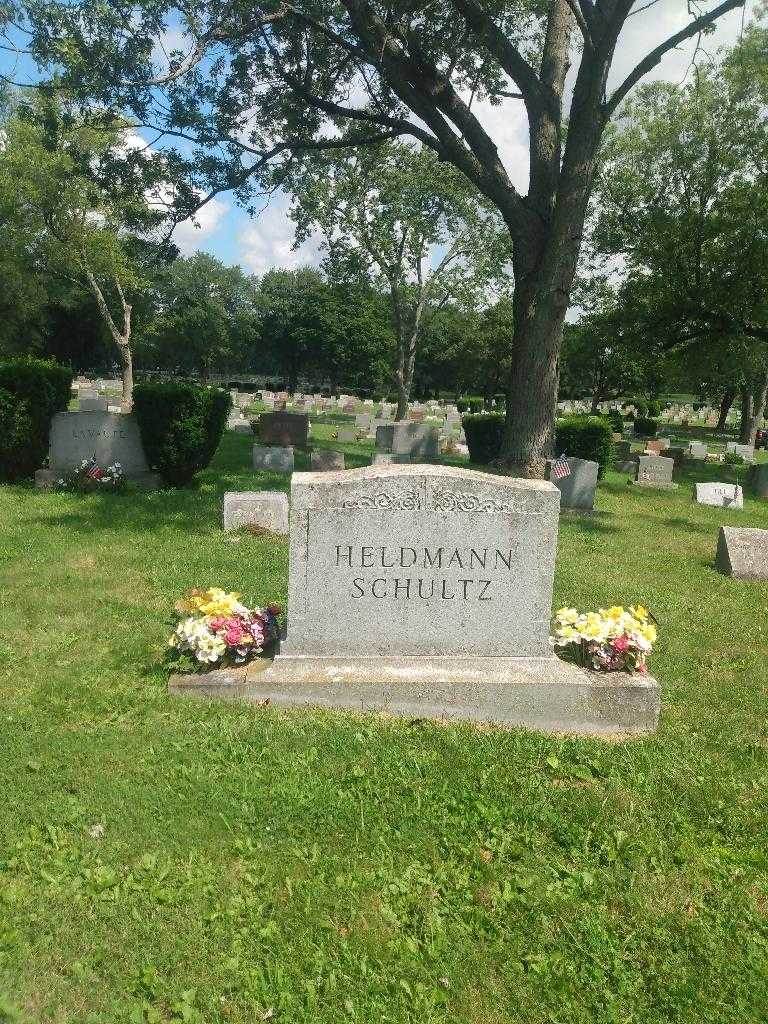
{"points": [[388, 459], [267, 510], [759, 480], [655, 471], [284, 429], [698, 450], [323, 461], [621, 450], [96, 404], [110, 437], [746, 451], [742, 552], [719, 494], [413, 439], [426, 591], [274, 457], [347, 435], [577, 490]]}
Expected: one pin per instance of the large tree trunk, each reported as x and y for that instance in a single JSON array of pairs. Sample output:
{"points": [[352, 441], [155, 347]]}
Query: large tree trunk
{"points": [[746, 413], [126, 372], [725, 407], [753, 408]]}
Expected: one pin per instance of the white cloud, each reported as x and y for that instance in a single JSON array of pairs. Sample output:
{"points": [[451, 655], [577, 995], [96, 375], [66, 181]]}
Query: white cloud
{"points": [[189, 235], [266, 241]]}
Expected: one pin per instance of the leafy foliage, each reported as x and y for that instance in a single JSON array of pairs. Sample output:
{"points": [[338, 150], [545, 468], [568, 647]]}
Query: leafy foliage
{"points": [[585, 437], [181, 425], [31, 392], [484, 435]]}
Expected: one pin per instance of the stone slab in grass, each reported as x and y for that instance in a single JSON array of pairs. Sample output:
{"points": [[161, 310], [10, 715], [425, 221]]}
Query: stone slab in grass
{"points": [[267, 510], [110, 437], [545, 694], [742, 552], [426, 591], [655, 471], [273, 457], [722, 495], [577, 490], [323, 461]]}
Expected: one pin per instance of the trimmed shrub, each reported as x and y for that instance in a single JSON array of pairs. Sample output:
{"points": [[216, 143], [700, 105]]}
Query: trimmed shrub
{"points": [[462, 404], [654, 408], [585, 437], [475, 405], [181, 426], [484, 434], [641, 406], [33, 391], [616, 420], [646, 427], [733, 459], [629, 417]]}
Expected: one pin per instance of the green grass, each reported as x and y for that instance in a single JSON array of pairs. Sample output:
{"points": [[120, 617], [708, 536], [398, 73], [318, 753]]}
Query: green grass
{"points": [[257, 864]]}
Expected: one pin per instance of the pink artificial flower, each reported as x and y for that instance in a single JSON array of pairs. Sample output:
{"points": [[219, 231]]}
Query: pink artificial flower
{"points": [[620, 643]]}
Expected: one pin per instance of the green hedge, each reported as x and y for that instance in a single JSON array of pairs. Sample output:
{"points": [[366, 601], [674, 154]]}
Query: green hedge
{"points": [[33, 391], [181, 426], [585, 437], [646, 427], [616, 420], [484, 434]]}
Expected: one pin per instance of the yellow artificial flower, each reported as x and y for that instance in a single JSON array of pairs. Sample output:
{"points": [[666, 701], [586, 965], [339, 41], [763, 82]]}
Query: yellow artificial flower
{"points": [[648, 632], [639, 612], [567, 616]]}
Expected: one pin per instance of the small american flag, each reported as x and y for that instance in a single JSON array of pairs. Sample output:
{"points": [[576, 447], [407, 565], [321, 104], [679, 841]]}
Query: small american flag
{"points": [[93, 470], [560, 468]]}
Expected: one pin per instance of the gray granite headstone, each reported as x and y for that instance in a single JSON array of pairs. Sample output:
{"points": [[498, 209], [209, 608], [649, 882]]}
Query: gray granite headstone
{"points": [[413, 439], [577, 490], [698, 450], [621, 450], [347, 435], [759, 480], [742, 552], [719, 494], [273, 457], [110, 437], [323, 461], [284, 429], [655, 471], [389, 459], [96, 404], [265, 509], [426, 591]]}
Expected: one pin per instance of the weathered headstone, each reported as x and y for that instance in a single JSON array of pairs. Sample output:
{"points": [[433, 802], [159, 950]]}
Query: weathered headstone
{"points": [[347, 435], [746, 451], [275, 457], [388, 459], [577, 490], [621, 450], [324, 461], [742, 552], [759, 480], [655, 471], [413, 439], [698, 450], [426, 591], [284, 429], [96, 404], [265, 509], [719, 494], [110, 437]]}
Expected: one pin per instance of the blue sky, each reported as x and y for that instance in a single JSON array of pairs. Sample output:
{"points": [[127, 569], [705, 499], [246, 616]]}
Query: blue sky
{"points": [[266, 241]]}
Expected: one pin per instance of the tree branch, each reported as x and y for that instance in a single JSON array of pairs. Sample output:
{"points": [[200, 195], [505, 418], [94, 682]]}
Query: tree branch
{"points": [[649, 62]]}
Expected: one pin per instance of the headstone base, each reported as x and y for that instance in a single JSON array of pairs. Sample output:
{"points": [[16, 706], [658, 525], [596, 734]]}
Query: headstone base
{"points": [[544, 694], [656, 485]]}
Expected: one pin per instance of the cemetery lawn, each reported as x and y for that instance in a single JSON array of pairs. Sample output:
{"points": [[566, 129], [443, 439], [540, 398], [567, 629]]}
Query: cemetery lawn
{"points": [[168, 860]]}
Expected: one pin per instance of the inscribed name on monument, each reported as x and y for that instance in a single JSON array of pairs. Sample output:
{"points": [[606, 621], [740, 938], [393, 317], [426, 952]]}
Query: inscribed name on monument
{"points": [[421, 561]]}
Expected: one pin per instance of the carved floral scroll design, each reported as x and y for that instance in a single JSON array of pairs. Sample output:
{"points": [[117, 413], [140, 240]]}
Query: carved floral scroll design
{"points": [[408, 501], [447, 500]]}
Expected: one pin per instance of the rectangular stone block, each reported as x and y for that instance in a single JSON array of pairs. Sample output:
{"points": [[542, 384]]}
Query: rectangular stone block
{"points": [[418, 441], [577, 490], [719, 494], [347, 435], [759, 480], [323, 461], [110, 437], [271, 457], [94, 404], [698, 450], [389, 459], [655, 471], [742, 552], [265, 509], [421, 560], [284, 429]]}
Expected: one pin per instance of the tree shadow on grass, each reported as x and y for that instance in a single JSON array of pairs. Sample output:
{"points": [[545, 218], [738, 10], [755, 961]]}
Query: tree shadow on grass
{"points": [[597, 521], [685, 524]]}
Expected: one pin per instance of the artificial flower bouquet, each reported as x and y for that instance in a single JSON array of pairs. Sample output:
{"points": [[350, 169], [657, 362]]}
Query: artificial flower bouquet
{"points": [[609, 640], [90, 476], [215, 630]]}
